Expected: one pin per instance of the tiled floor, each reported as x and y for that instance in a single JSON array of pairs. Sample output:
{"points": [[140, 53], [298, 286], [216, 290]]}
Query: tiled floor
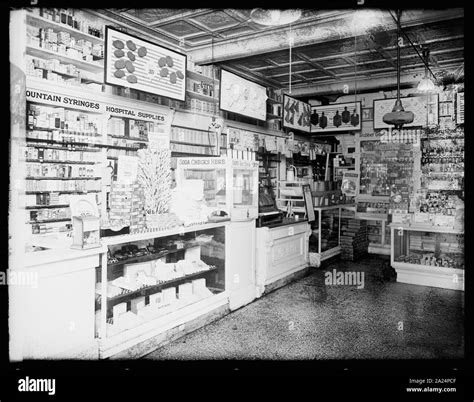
{"points": [[308, 319]]}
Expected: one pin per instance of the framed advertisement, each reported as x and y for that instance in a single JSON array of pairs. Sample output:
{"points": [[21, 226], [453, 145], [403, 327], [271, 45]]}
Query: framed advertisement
{"points": [[296, 114], [367, 114], [336, 117], [425, 109], [241, 96], [142, 65]]}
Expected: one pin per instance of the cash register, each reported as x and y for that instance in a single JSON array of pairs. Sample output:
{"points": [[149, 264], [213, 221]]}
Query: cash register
{"points": [[268, 213]]}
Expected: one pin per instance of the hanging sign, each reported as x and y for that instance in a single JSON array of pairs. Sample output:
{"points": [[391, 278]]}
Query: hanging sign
{"points": [[296, 114], [139, 64], [425, 109], [336, 117]]}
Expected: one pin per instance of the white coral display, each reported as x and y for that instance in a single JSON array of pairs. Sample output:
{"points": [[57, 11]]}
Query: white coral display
{"points": [[154, 174]]}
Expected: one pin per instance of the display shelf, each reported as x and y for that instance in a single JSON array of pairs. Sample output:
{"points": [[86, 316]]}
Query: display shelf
{"points": [[150, 257], [49, 55], [62, 192], [191, 143], [121, 137], [200, 77], [40, 22], [47, 206], [63, 131], [85, 149], [274, 101], [129, 238], [271, 116], [205, 98], [62, 162], [85, 144], [146, 290], [51, 221], [118, 147], [62, 178]]}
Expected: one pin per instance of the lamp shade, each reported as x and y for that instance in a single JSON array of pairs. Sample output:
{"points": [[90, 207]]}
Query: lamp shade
{"points": [[426, 85], [274, 17], [398, 116]]}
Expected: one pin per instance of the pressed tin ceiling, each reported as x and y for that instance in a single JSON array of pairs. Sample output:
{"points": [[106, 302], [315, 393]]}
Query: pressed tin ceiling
{"points": [[330, 46]]}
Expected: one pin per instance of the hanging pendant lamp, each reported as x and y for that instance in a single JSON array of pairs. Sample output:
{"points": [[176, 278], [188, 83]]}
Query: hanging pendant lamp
{"points": [[398, 116]]}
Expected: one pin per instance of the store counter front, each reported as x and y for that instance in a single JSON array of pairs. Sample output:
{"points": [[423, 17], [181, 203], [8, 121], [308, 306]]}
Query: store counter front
{"points": [[282, 251], [51, 304]]}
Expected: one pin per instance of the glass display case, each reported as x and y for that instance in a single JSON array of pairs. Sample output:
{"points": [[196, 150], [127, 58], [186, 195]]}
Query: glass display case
{"points": [[146, 279], [324, 241], [230, 185], [428, 256]]}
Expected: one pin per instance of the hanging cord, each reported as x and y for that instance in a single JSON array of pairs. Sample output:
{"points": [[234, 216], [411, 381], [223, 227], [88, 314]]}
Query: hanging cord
{"points": [[355, 71], [399, 29], [290, 40], [398, 54]]}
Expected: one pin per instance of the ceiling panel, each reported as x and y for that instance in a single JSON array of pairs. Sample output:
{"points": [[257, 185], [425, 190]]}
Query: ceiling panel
{"points": [[241, 30], [215, 20], [180, 28], [153, 15], [285, 70]]}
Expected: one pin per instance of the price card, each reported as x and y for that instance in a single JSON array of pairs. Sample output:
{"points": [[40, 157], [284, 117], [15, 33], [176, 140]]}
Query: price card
{"points": [[291, 231]]}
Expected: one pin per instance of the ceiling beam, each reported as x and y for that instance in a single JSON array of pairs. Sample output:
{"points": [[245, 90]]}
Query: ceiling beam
{"points": [[382, 79], [341, 27], [316, 65]]}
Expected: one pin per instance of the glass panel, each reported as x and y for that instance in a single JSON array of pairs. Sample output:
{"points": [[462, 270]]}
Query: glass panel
{"points": [[150, 279], [432, 249], [214, 185], [329, 229], [244, 181], [314, 238]]}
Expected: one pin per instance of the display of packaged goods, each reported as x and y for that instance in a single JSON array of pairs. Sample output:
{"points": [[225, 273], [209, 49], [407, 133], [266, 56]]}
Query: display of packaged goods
{"points": [[52, 227], [63, 185], [47, 214], [42, 170]]}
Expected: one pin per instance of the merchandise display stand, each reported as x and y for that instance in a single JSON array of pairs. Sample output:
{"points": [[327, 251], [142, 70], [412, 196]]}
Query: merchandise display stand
{"points": [[327, 233], [429, 256]]}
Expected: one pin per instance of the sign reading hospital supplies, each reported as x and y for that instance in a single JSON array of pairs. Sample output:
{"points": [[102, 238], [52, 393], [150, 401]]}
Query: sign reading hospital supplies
{"points": [[350, 183]]}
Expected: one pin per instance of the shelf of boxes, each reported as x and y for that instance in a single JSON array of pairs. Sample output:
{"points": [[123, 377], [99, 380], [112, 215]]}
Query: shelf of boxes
{"points": [[39, 52], [37, 21]]}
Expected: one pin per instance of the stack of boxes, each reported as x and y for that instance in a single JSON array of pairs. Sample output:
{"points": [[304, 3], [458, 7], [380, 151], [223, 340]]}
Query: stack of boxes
{"points": [[120, 203], [354, 239], [137, 214]]}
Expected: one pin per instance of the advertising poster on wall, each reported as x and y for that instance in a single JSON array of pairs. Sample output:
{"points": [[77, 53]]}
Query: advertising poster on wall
{"points": [[136, 63], [296, 114], [350, 183], [425, 109], [336, 117], [241, 96]]}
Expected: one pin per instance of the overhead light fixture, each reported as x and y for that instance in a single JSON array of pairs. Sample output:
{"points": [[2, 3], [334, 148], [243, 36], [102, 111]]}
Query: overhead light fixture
{"points": [[274, 17], [398, 116], [426, 84]]}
